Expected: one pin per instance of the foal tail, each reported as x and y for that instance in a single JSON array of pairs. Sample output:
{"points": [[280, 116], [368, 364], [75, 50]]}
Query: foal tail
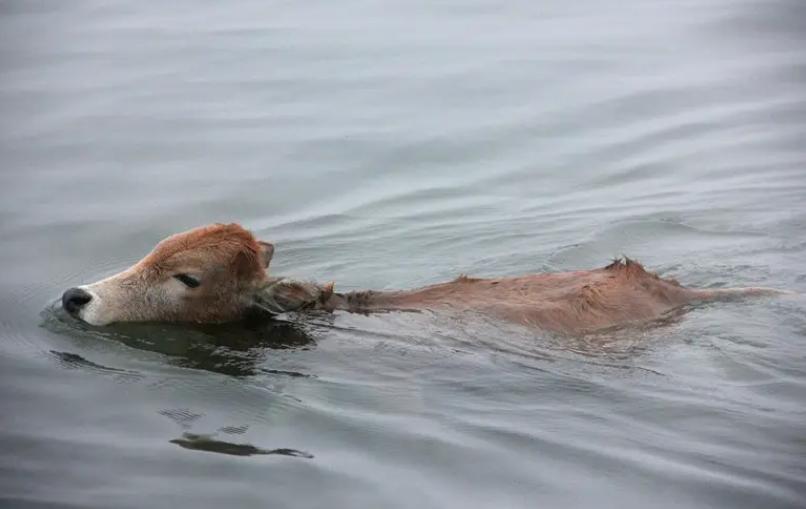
{"points": [[728, 294]]}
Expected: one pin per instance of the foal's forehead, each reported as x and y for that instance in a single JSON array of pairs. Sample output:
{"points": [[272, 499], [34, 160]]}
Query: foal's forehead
{"points": [[218, 242]]}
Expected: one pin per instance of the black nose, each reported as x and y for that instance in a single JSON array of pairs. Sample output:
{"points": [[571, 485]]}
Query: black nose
{"points": [[74, 299]]}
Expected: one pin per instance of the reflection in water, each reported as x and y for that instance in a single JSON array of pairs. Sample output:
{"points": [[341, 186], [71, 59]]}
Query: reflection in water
{"points": [[235, 349], [209, 444], [73, 360]]}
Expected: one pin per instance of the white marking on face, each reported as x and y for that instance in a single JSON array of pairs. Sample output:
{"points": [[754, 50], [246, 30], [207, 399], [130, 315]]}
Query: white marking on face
{"points": [[116, 298], [101, 309], [92, 312]]}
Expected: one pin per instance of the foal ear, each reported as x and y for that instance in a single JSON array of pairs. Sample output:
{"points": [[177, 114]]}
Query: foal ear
{"points": [[266, 252]]}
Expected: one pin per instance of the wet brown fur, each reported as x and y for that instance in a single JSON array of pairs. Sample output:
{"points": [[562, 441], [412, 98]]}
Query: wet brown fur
{"points": [[232, 264], [576, 302], [225, 244], [570, 302]]}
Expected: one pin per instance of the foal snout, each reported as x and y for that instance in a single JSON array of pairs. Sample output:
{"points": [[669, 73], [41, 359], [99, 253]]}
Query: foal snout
{"points": [[74, 299]]}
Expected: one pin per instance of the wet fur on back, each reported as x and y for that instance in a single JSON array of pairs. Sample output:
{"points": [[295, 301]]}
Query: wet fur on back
{"points": [[621, 293]]}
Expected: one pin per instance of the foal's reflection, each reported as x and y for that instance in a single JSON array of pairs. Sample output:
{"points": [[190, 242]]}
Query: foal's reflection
{"points": [[236, 349]]}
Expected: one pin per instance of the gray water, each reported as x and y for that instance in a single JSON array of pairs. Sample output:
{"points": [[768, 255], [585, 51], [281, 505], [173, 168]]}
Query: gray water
{"points": [[389, 145]]}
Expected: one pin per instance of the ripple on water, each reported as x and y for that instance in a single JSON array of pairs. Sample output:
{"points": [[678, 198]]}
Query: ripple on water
{"points": [[390, 149]]}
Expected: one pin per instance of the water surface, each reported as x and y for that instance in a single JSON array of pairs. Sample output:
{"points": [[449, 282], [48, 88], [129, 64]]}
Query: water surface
{"points": [[387, 145]]}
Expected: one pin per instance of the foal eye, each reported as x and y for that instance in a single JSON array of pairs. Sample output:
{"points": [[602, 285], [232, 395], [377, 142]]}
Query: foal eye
{"points": [[189, 281]]}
